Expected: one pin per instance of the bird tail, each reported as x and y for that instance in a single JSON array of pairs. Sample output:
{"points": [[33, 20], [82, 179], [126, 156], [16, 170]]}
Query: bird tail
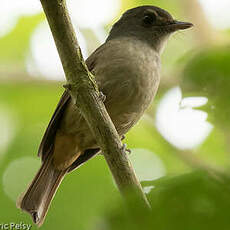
{"points": [[37, 198]]}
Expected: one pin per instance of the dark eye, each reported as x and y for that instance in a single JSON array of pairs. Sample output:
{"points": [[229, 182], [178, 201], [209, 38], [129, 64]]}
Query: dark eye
{"points": [[149, 19]]}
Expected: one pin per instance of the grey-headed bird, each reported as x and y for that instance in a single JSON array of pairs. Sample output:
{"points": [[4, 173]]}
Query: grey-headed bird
{"points": [[127, 70]]}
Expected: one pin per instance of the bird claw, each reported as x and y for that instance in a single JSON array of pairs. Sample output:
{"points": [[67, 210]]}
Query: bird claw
{"points": [[35, 216], [122, 137], [102, 96], [124, 148]]}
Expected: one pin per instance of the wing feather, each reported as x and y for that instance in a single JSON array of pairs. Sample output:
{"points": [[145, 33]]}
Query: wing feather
{"points": [[47, 142], [48, 139]]}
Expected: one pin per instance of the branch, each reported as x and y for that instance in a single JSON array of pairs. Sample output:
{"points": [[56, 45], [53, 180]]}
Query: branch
{"points": [[84, 91]]}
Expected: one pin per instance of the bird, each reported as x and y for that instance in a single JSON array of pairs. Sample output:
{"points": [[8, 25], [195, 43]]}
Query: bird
{"points": [[127, 71]]}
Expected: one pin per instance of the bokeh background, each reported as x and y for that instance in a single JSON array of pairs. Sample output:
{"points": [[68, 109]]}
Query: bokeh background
{"points": [[180, 148]]}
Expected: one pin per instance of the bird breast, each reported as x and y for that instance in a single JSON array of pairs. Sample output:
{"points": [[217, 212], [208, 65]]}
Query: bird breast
{"points": [[127, 72]]}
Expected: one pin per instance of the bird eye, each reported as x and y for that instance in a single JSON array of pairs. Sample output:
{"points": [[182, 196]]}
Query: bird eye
{"points": [[149, 19]]}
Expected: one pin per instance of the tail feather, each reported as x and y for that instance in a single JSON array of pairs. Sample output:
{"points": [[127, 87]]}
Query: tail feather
{"points": [[37, 198]]}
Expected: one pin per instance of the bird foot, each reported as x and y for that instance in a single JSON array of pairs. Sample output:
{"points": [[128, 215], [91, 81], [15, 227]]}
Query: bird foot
{"points": [[124, 148], [122, 137], [102, 96]]}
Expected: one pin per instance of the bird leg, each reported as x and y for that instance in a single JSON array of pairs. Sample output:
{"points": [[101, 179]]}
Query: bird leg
{"points": [[124, 148], [122, 137], [102, 96]]}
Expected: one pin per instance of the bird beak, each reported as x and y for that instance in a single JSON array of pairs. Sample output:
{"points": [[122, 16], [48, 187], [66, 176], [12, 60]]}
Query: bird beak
{"points": [[177, 25]]}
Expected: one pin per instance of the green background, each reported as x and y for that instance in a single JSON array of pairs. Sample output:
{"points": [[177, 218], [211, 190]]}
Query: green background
{"points": [[194, 191]]}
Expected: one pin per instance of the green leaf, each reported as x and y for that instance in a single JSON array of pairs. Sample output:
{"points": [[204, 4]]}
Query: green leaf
{"points": [[191, 201], [208, 74]]}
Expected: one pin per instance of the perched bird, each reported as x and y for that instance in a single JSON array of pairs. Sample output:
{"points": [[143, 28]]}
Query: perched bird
{"points": [[127, 71]]}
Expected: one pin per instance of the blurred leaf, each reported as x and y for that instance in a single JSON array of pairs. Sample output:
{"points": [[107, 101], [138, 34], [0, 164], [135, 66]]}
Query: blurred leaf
{"points": [[214, 150], [208, 74], [15, 45], [145, 135], [191, 201]]}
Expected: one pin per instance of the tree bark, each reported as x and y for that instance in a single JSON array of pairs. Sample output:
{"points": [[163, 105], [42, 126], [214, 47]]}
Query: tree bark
{"points": [[84, 91]]}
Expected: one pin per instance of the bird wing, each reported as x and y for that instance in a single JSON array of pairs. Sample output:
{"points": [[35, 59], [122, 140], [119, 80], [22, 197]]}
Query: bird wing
{"points": [[47, 143]]}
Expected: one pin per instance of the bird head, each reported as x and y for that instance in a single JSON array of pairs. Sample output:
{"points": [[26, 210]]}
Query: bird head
{"points": [[150, 24]]}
